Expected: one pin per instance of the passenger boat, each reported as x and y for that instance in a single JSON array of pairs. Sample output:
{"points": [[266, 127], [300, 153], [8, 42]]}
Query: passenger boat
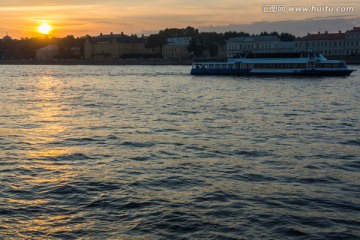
{"points": [[305, 63]]}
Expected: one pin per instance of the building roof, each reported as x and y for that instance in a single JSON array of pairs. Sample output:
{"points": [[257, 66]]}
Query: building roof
{"points": [[354, 30], [286, 45], [178, 41], [120, 38], [7, 38], [111, 36], [323, 36], [254, 39], [49, 48]]}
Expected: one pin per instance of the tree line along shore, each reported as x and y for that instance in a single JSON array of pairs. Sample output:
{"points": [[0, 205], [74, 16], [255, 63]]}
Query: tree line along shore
{"points": [[71, 49], [25, 48]]}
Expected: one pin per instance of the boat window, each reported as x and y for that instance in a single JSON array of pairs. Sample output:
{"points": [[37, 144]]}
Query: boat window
{"points": [[211, 66], [277, 65], [329, 65], [280, 65], [302, 65], [205, 66], [273, 65], [230, 66], [338, 65], [217, 66]]}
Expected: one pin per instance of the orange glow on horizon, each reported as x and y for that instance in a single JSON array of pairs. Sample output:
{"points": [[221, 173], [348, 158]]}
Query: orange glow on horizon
{"points": [[81, 18]]}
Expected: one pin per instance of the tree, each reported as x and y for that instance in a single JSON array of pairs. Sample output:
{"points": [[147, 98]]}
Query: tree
{"points": [[287, 37], [195, 47], [159, 39], [212, 41], [228, 35]]}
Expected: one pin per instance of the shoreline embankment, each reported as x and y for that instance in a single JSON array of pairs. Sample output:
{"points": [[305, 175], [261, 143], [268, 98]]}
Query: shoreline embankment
{"points": [[99, 62], [355, 60]]}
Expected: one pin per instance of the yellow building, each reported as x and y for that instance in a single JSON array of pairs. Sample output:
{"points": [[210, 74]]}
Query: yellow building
{"points": [[115, 46], [47, 53]]}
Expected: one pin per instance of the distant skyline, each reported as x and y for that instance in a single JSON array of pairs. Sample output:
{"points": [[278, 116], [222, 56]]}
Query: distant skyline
{"points": [[21, 18]]}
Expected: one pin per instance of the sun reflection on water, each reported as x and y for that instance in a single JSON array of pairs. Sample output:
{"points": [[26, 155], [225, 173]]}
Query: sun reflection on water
{"points": [[42, 166], [44, 118]]}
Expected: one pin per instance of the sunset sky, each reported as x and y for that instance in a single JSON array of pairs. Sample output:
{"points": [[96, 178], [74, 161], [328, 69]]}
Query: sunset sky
{"points": [[21, 18]]}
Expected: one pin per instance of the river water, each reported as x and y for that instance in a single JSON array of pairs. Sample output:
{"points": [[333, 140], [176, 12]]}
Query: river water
{"points": [[151, 152]]}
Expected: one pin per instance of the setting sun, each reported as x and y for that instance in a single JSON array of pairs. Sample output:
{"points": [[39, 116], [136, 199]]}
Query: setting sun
{"points": [[44, 28]]}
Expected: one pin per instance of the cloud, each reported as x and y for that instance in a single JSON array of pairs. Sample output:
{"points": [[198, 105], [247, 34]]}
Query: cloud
{"points": [[76, 17], [45, 8]]}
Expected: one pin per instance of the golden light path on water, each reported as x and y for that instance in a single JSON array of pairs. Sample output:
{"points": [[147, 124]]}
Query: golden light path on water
{"points": [[44, 112]]}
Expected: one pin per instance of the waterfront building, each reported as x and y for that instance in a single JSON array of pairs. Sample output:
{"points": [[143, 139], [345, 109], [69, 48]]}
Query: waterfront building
{"points": [[115, 46], [331, 44], [75, 52], [327, 43], [176, 48], [7, 38], [48, 52], [352, 39], [256, 44], [5, 52]]}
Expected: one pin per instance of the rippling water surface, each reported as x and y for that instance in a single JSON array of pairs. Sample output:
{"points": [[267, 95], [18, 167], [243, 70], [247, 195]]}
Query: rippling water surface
{"points": [[151, 152]]}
